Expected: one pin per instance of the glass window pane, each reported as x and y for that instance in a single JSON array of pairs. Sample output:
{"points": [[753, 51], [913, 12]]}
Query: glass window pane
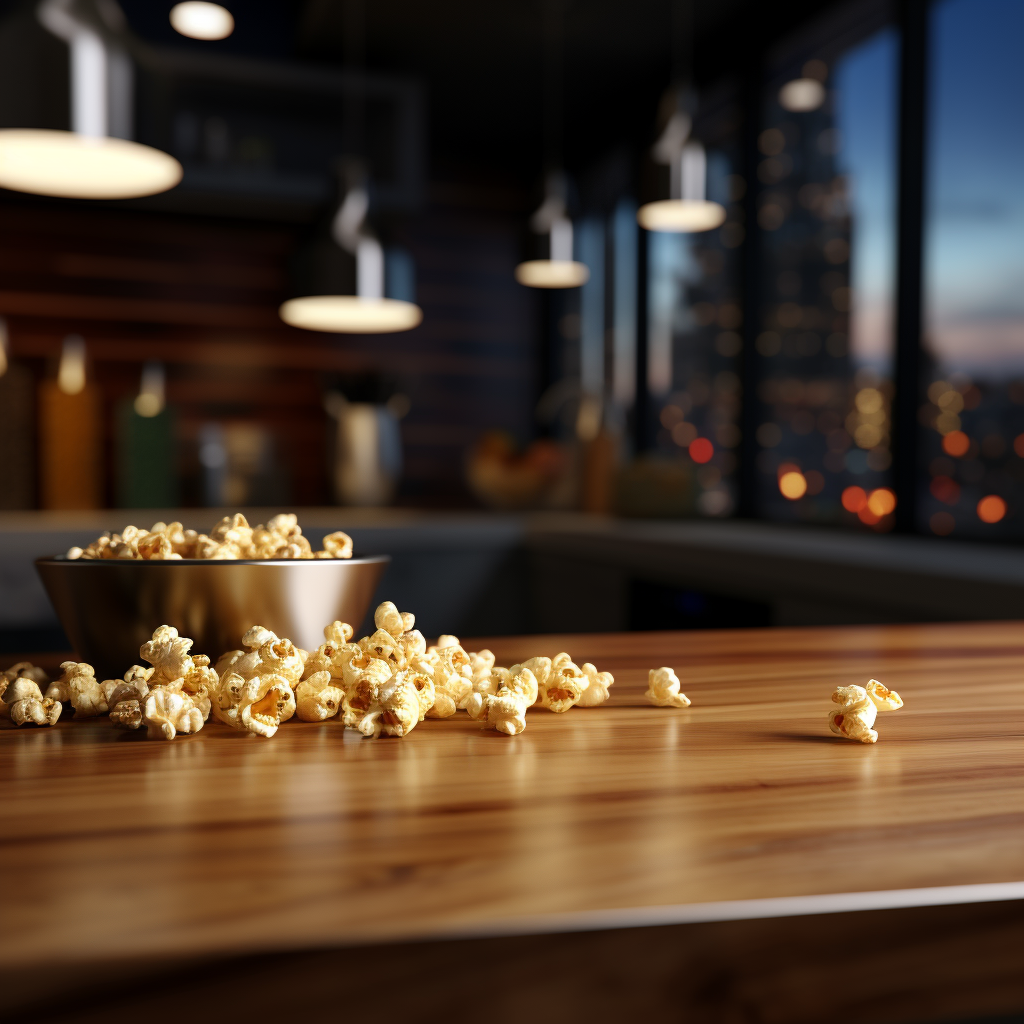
{"points": [[694, 337], [826, 210], [972, 411]]}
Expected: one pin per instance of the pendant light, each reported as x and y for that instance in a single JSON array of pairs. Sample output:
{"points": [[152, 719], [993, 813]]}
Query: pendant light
{"points": [[87, 162], [559, 270], [199, 20], [368, 311], [687, 209]]}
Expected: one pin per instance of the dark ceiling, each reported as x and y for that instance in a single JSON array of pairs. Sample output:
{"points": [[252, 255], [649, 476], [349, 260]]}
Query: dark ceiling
{"points": [[482, 64]]}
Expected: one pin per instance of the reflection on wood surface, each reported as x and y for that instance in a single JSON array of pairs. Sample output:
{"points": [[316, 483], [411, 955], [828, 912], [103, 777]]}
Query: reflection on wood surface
{"points": [[222, 844]]}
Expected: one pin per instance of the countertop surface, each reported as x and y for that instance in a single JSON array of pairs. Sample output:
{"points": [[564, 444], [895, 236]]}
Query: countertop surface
{"points": [[743, 805]]}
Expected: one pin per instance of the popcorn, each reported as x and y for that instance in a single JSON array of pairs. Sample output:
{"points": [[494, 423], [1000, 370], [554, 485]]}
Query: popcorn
{"points": [[424, 685], [859, 705], [26, 670], [22, 701], [317, 698], [563, 685], [596, 690], [391, 707], [231, 538], [523, 682], [504, 711], [663, 689], [265, 702], [167, 712], [451, 687], [78, 686], [283, 658], [168, 653]]}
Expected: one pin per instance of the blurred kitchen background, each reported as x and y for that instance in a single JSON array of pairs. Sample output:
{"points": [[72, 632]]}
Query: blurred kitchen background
{"points": [[628, 313]]}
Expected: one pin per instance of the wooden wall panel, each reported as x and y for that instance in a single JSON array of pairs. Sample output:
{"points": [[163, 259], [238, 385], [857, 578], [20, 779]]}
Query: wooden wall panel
{"points": [[201, 296]]}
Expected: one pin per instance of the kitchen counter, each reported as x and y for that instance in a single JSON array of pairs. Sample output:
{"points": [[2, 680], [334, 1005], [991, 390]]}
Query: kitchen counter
{"points": [[734, 851]]}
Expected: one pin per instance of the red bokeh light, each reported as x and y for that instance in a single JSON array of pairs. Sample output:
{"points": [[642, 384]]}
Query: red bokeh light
{"points": [[701, 450], [945, 490], [854, 499], [956, 443]]}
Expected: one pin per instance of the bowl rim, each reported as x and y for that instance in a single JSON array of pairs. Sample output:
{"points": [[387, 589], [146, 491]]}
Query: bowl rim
{"points": [[64, 560]]}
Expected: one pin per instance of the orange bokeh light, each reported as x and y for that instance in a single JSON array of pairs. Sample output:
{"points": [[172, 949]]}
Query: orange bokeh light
{"points": [[1018, 445], [701, 450], [854, 499], [956, 443], [866, 516], [882, 501], [991, 508], [793, 485]]}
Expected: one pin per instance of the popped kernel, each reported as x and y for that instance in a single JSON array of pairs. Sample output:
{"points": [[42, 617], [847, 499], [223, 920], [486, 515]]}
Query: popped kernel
{"points": [[266, 701], [504, 711], [23, 702], [78, 686], [391, 707], [596, 690], [317, 697], [663, 689], [168, 712], [563, 686], [858, 708]]}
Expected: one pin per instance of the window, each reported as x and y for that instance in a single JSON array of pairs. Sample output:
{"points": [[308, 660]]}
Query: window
{"points": [[825, 207], [972, 411]]}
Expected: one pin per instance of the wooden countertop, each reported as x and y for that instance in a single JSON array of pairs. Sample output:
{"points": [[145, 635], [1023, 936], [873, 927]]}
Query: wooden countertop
{"points": [[743, 805]]}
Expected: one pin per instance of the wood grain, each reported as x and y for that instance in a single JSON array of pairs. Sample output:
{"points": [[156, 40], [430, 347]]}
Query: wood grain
{"points": [[219, 844]]}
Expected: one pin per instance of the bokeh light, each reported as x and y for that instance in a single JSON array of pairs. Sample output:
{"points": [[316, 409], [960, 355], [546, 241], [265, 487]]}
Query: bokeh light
{"points": [[1018, 445], [991, 508], [945, 489], [882, 501], [701, 450], [956, 443], [854, 499], [793, 485]]}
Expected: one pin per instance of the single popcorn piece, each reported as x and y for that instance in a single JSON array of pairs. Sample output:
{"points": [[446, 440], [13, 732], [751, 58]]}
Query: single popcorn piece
{"points": [[78, 686], [167, 712], [391, 707], [23, 702], [451, 687], [596, 690], [282, 657], [338, 545], [504, 711], [388, 617], [383, 646], [200, 684], [563, 686], [663, 689], [858, 708], [266, 701], [26, 670], [318, 698], [338, 633], [168, 653], [522, 681], [364, 666], [423, 682]]}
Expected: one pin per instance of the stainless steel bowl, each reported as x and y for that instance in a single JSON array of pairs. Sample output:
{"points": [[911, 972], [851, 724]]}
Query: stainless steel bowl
{"points": [[109, 608]]}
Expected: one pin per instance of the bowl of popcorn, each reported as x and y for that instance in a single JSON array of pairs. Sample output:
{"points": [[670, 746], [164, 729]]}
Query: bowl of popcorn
{"points": [[112, 595]]}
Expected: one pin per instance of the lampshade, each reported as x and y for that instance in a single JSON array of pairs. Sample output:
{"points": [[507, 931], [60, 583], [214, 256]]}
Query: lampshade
{"points": [[199, 20], [681, 215], [552, 274], [69, 165], [351, 314]]}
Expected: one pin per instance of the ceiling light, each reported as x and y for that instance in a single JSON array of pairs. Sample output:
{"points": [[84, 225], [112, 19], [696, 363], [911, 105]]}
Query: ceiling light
{"points": [[802, 95], [560, 270], [351, 314], [681, 215], [202, 20], [57, 163], [688, 210]]}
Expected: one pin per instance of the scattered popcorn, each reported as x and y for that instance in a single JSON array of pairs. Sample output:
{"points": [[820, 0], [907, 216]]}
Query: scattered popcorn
{"points": [[596, 690], [77, 685], [21, 701], [266, 701], [859, 705], [563, 685], [663, 689], [451, 687], [231, 538], [317, 697], [167, 712], [391, 707], [26, 670], [504, 711]]}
